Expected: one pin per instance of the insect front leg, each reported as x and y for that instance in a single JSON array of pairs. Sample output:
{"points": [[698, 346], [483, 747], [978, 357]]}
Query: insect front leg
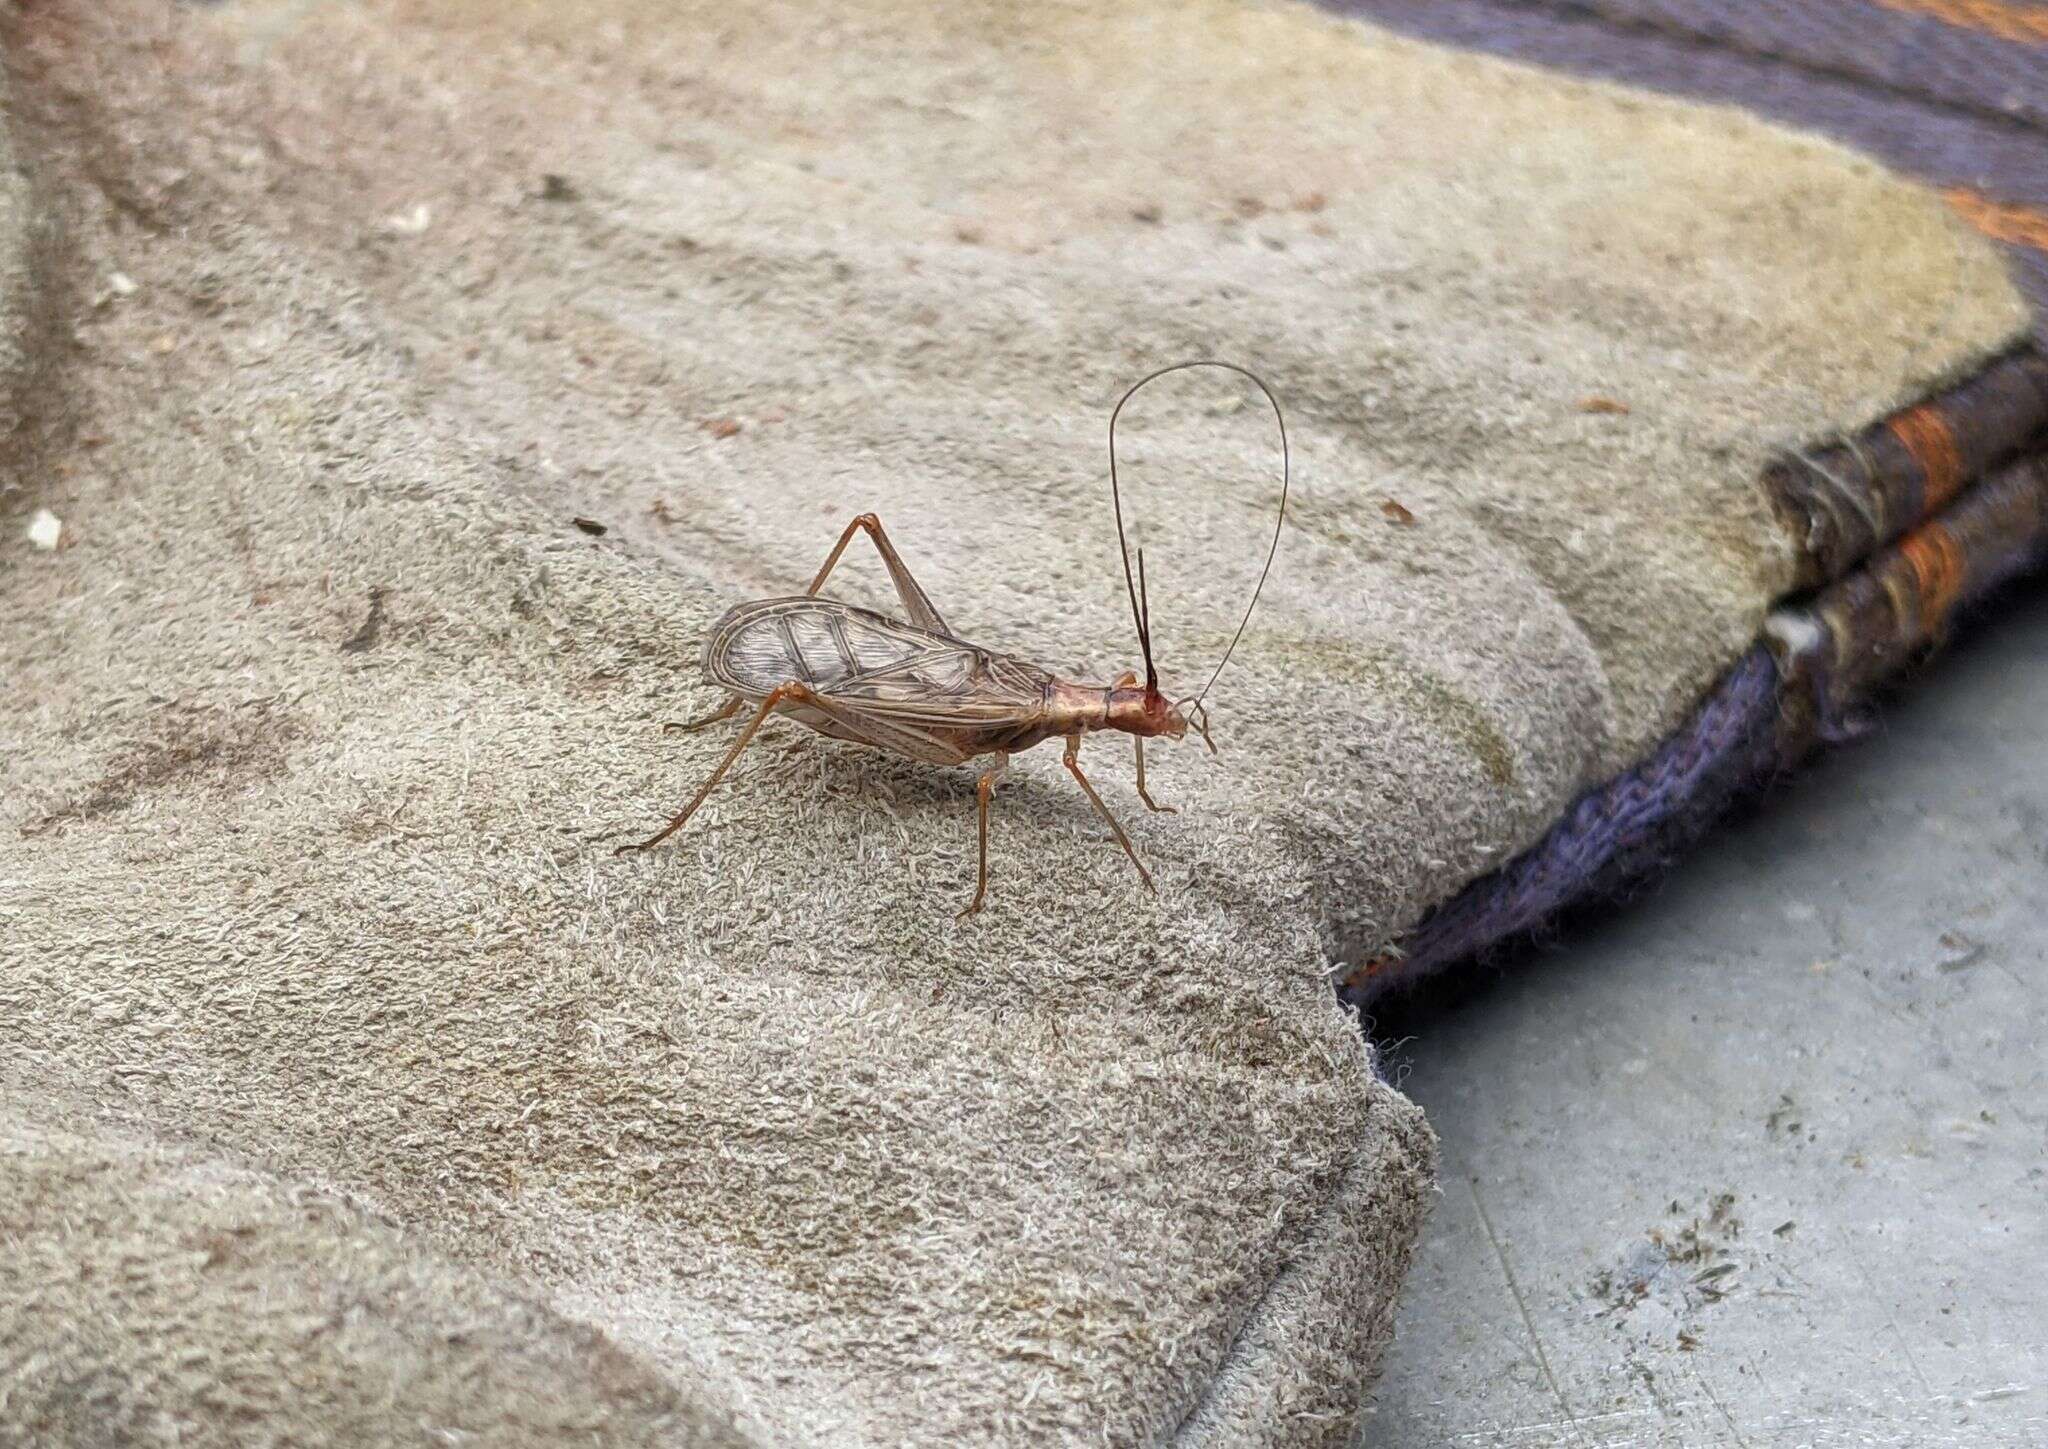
{"points": [[983, 789], [1073, 763], [1124, 680], [1150, 803], [916, 602]]}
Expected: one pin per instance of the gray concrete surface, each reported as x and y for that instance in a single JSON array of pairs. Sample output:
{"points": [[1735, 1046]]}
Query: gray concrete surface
{"points": [[1759, 1158]]}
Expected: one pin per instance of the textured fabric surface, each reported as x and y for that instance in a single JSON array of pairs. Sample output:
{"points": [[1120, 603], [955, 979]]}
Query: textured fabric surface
{"points": [[329, 881], [322, 724], [1955, 91], [158, 1294]]}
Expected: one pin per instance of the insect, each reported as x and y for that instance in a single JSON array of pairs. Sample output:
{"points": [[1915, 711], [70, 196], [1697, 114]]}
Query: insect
{"points": [[915, 687]]}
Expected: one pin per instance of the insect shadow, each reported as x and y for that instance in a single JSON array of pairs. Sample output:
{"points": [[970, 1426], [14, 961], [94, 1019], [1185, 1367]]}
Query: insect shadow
{"points": [[915, 688]]}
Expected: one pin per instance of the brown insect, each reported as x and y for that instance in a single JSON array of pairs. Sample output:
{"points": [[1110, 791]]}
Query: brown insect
{"points": [[915, 687]]}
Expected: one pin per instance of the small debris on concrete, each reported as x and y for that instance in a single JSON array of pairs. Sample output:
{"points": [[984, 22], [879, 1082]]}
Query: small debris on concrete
{"points": [[1599, 404], [1783, 1119], [721, 427], [1396, 513], [590, 526], [1148, 212], [1701, 1239], [410, 223], [46, 530], [555, 187]]}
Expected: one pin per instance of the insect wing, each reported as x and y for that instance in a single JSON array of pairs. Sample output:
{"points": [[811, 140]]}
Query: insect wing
{"points": [[871, 665], [947, 683]]}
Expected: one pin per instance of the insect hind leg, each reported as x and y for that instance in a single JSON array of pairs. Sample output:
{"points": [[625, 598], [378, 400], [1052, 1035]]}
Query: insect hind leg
{"points": [[775, 697], [725, 711], [916, 602]]}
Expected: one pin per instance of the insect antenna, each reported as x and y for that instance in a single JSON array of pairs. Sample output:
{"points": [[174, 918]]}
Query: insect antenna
{"points": [[1145, 625], [1140, 611]]}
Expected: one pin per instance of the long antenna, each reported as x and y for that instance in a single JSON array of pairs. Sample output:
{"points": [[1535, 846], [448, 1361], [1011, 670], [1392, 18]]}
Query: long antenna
{"points": [[1139, 614], [1145, 623]]}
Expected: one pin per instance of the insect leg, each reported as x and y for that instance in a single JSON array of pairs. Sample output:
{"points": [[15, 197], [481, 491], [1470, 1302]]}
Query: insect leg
{"points": [[916, 602], [727, 710], [1073, 761], [984, 788], [1150, 803], [775, 697], [832, 558]]}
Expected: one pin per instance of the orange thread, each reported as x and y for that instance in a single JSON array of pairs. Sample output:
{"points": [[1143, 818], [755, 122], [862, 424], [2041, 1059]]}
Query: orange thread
{"points": [[1378, 966], [2025, 226], [1925, 433], [2023, 23], [1937, 562]]}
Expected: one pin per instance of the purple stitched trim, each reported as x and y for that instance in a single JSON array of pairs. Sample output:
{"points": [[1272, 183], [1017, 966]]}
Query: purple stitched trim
{"points": [[1885, 47], [1625, 828]]}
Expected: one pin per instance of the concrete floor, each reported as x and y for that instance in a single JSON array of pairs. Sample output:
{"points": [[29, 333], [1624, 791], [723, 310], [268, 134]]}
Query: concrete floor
{"points": [[1762, 1158]]}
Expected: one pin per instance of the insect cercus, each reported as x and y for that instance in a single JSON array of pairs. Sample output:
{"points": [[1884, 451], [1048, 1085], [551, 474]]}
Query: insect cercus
{"points": [[915, 687]]}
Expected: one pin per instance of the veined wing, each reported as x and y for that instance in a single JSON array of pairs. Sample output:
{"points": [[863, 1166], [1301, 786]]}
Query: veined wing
{"points": [[880, 667]]}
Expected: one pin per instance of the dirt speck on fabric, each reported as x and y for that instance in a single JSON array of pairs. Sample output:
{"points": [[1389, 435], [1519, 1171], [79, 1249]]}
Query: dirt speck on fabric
{"points": [[210, 746], [365, 636]]}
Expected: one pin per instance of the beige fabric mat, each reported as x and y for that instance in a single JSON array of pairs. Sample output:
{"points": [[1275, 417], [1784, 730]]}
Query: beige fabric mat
{"points": [[322, 721]]}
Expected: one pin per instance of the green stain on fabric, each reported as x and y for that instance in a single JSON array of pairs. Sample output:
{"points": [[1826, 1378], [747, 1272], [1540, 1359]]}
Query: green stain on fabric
{"points": [[1463, 720]]}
